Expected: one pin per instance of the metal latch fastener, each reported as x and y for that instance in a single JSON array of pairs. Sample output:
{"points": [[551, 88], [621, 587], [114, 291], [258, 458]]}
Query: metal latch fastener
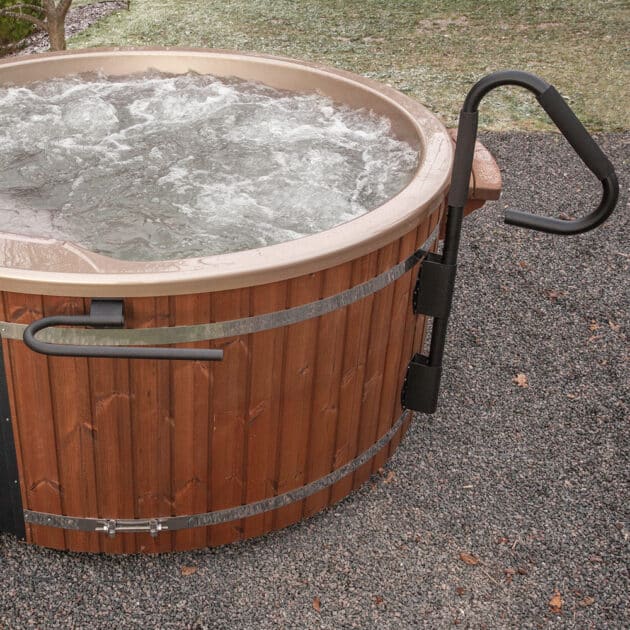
{"points": [[112, 527]]}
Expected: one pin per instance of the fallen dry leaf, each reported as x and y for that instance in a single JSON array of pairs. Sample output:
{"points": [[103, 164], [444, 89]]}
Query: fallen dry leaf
{"points": [[317, 603], [509, 573], [555, 603], [188, 570], [378, 600], [521, 380], [391, 475], [587, 601], [554, 295], [468, 558], [593, 325], [460, 590], [593, 338], [595, 558], [614, 327]]}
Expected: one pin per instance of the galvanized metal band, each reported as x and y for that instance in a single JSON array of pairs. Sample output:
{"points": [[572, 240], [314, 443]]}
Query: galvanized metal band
{"points": [[172, 523], [230, 328]]}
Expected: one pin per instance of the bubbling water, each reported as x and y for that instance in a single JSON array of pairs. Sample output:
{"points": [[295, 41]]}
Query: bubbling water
{"points": [[155, 167]]}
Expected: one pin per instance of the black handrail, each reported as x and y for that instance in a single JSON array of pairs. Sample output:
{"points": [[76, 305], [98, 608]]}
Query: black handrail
{"points": [[106, 314], [420, 391], [572, 129]]}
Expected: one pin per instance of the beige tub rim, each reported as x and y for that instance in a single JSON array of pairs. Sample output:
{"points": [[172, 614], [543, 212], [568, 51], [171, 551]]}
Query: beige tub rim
{"points": [[50, 267]]}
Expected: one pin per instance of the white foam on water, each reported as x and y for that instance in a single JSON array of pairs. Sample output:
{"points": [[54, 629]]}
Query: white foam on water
{"points": [[151, 166]]}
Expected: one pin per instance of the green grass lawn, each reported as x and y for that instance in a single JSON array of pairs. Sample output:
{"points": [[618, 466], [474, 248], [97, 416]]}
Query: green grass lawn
{"points": [[430, 50]]}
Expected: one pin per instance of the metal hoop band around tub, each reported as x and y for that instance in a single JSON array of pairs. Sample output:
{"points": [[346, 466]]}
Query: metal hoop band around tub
{"points": [[154, 526], [230, 328]]}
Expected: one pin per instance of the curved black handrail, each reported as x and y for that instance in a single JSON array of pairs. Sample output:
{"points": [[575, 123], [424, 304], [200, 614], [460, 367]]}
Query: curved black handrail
{"points": [[570, 127], [106, 314], [424, 372]]}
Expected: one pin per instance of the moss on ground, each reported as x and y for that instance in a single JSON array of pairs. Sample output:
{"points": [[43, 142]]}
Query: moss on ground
{"points": [[431, 50]]}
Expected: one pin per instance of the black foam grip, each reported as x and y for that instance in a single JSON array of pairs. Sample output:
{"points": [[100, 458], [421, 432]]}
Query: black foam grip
{"points": [[464, 153], [573, 130]]}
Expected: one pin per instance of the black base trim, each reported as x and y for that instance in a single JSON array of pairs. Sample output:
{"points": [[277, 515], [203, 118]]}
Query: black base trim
{"points": [[11, 514]]}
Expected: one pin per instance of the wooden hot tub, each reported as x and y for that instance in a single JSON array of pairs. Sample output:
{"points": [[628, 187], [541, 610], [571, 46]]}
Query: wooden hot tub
{"points": [[149, 455]]}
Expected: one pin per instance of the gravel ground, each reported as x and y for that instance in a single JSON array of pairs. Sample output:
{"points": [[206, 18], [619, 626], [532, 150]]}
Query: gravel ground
{"points": [[532, 481]]}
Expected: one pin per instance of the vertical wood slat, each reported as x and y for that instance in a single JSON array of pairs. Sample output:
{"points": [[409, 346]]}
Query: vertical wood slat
{"points": [[297, 392], [151, 424], [74, 431], [380, 329], [325, 412], [352, 375], [113, 453], [389, 409], [228, 405], [191, 391], [35, 422], [263, 413]]}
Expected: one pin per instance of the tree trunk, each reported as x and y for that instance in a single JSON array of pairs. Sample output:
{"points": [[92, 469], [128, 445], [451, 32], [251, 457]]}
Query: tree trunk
{"points": [[55, 23]]}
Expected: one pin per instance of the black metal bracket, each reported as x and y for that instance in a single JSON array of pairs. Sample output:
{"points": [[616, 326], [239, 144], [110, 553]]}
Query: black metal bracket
{"points": [[432, 296], [433, 292], [434, 289], [11, 514], [421, 385]]}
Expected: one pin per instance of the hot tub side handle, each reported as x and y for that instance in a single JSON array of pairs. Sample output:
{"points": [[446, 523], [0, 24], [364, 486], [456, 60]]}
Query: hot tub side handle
{"points": [[106, 313], [434, 291]]}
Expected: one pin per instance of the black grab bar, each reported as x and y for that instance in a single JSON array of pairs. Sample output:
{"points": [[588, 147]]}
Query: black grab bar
{"points": [[572, 129], [106, 313], [421, 386]]}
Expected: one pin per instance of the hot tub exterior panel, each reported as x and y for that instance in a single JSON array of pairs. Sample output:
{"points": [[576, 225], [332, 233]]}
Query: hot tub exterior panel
{"points": [[297, 395], [191, 419], [111, 438], [152, 425], [376, 360], [69, 387], [34, 431], [264, 410], [333, 336], [114, 447], [229, 416]]}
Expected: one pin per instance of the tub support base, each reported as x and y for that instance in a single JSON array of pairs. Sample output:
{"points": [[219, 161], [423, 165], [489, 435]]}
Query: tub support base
{"points": [[11, 518]]}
